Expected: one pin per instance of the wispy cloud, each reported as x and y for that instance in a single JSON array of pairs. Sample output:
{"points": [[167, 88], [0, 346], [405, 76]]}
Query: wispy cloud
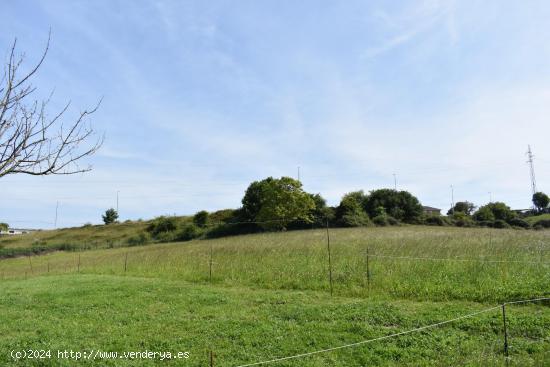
{"points": [[202, 98]]}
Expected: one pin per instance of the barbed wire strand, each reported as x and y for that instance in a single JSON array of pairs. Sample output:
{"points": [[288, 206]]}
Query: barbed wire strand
{"points": [[391, 335]]}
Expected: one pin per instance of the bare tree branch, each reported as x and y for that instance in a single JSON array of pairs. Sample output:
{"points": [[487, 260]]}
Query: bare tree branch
{"points": [[30, 141]]}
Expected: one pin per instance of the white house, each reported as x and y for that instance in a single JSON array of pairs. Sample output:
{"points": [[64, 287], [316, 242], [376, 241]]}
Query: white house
{"points": [[14, 231]]}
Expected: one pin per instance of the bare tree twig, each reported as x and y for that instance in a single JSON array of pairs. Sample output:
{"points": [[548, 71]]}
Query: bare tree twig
{"points": [[30, 141]]}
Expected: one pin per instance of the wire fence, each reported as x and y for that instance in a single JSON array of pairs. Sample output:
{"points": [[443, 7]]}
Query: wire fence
{"points": [[363, 342]]}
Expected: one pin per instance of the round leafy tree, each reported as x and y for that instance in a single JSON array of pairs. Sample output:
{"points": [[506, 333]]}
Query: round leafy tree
{"points": [[277, 202], [110, 216]]}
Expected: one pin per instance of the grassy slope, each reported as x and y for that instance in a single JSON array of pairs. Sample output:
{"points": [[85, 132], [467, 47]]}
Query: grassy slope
{"points": [[87, 236], [536, 218], [269, 297]]}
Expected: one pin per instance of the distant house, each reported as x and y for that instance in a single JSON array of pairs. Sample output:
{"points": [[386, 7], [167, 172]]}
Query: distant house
{"points": [[428, 210], [14, 231]]}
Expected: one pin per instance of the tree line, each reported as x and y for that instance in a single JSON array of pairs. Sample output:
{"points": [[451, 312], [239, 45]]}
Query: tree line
{"points": [[279, 204]]}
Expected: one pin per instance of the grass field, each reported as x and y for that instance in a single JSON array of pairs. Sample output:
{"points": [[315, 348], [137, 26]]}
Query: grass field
{"points": [[269, 296]]}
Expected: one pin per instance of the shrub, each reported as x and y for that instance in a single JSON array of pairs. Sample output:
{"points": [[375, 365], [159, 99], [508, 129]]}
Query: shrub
{"points": [[162, 225], [516, 222], [461, 219], [188, 232], [350, 212], [485, 223], [392, 221], [357, 219], [499, 223], [543, 223], [201, 218], [224, 215], [435, 220], [166, 236], [140, 239], [381, 220]]}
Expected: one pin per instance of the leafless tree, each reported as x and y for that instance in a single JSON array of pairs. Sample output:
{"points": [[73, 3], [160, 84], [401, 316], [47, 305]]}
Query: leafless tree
{"points": [[31, 141]]}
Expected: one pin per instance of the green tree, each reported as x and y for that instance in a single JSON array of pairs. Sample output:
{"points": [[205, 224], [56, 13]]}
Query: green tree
{"points": [[462, 207], [401, 205], [484, 214], [110, 216], [494, 211], [321, 212], [541, 201], [277, 202], [201, 218], [4, 226], [350, 212]]}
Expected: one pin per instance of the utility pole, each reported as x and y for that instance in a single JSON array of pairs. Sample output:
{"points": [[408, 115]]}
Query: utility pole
{"points": [[395, 182], [56, 207], [452, 199], [117, 201], [490, 196], [530, 157], [298, 173]]}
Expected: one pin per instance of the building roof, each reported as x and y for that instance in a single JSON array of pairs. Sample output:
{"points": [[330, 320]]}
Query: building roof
{"points": [[430, 208]]}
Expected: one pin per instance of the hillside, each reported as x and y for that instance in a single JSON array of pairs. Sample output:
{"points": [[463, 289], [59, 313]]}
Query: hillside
{"points": [[76, 238], [535, 218]]}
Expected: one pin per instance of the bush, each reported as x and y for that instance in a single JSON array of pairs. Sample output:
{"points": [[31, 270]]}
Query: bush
{"points": [[435, 220], [499, 223], [461, 219], [543, 223], [392, 221], [350, 212], [485, 223], [188, 232], [516, 222], [162, 225], [140, 239], [201, 218], [358, 219], [224, 215], [380, 220]]}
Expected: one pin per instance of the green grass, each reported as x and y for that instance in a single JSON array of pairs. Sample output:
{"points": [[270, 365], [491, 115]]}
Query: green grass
{"points": [[269, 297], [114, 313], [298, 260], [532, 220]]}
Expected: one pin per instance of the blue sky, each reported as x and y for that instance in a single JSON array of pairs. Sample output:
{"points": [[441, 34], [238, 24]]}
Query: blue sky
{"points": [[201, 98]]}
